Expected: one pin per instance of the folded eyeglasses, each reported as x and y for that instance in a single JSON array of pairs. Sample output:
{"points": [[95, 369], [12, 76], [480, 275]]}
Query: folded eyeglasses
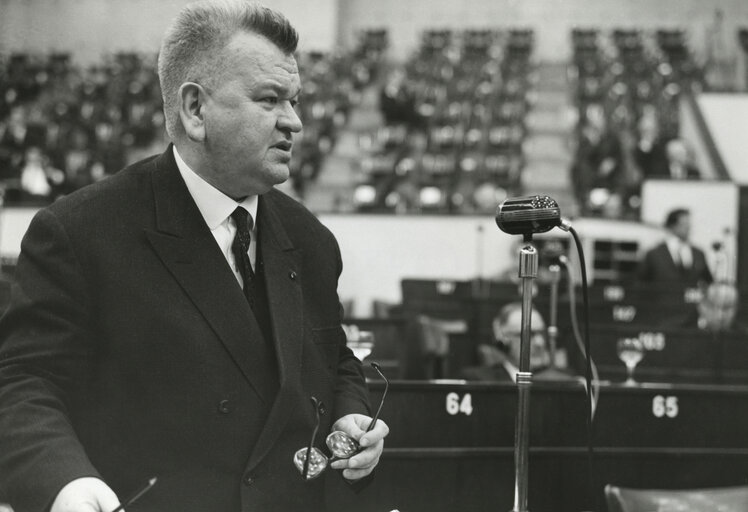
{"points": [[311, 462]]}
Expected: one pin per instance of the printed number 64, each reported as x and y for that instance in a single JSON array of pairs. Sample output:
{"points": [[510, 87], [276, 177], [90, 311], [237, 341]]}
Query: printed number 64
{"points": [[456, 405]]}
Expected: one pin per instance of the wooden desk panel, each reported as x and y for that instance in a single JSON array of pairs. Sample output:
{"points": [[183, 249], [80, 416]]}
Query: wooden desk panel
{"points": [[455, 415], [671, 355], [447, 452]]}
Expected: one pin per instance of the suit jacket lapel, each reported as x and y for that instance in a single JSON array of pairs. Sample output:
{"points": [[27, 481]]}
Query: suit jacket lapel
{"points": [[282, 263], [668, 256], [187, 248]]}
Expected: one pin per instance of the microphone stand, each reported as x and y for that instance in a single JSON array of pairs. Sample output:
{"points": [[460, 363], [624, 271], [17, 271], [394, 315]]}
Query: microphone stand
{"points": [[528, 271]]}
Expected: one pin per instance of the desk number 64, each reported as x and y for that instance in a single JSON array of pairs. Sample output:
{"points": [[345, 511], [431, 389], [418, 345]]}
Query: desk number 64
{"points": [[456, 405]]}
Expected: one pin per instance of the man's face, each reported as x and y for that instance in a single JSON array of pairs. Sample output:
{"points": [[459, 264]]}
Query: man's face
{"points": [[682, 227], [511, 332], [250, 118]]}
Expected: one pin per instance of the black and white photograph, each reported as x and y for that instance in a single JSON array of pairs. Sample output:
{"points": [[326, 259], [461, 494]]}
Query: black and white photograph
{"points": [[392, 256]]}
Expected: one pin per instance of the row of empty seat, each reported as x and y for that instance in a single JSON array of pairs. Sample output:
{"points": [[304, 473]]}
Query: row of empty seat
{"points": [[454, 117], [453, 124], [628, 87]]}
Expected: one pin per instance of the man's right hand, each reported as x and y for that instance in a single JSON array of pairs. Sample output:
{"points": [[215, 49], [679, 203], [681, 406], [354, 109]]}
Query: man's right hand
{"points": [[85, 495]]}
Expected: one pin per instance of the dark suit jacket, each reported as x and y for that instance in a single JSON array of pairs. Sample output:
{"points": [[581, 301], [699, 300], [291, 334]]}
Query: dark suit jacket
{"points": [[658, 266], [653, 163], [127, 352]]}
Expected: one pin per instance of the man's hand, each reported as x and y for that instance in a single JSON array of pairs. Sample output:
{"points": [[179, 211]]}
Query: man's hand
{"points": [[363, 463], [85, 495]]}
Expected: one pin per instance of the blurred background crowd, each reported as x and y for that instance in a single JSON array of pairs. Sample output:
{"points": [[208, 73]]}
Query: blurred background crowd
{"points": [[454, 128]]}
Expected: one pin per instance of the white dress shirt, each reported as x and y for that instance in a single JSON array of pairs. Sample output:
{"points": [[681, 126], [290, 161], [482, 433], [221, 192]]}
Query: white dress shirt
{"points": [[680, 251], [216, 208]]}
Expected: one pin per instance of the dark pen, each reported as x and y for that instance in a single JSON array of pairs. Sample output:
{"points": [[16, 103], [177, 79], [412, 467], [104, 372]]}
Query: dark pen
{"points": [[129, 501]]}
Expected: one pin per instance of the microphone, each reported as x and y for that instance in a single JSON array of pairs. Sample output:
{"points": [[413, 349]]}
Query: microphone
{"points": [[529, 214]]}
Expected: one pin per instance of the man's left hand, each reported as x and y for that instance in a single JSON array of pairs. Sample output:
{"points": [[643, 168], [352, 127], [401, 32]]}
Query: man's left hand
{"points": [[372, 442]]}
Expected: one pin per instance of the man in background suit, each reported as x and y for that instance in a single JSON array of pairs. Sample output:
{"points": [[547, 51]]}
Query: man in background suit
{"points": [[675, 262], [156, 329], [500, 361]]}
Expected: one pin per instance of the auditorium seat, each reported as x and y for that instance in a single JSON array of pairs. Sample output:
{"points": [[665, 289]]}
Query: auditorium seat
{"points": [[622, 78], [718, 499], [434, 344], [465, 94]]}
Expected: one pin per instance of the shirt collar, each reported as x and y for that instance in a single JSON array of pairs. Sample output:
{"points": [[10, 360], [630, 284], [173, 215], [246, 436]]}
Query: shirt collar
{"points": [[673, 242], [214, 205]]}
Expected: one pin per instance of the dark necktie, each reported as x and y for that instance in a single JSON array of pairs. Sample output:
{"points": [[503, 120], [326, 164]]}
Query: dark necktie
{"points": [[240, 248], [255, 294]]}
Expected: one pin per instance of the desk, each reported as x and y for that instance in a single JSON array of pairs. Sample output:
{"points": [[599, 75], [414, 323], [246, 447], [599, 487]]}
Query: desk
{"points": [[671, 355], [682, 354], [451, 445]]}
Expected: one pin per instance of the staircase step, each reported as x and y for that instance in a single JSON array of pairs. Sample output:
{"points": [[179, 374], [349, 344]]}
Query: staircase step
{"points": [[551, 99], [545, 175], [547, 149], [560, 120], [552, 77], [546, 145]]}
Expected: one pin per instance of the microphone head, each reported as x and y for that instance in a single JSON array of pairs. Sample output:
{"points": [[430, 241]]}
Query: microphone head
{"points": [[527, 215]]}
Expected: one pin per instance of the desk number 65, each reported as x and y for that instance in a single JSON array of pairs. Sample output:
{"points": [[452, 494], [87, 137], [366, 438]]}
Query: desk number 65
{"points": [[665, 406], [456, 405]]}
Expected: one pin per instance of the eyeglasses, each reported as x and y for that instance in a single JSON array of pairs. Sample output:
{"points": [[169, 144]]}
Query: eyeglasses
{"points": [[310, 461]]}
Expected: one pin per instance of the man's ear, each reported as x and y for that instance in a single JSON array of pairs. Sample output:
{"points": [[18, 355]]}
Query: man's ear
{"points": [[191, 110]]}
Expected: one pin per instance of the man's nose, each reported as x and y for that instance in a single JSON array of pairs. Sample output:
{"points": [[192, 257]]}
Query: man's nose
{"points": [[289, 119]]}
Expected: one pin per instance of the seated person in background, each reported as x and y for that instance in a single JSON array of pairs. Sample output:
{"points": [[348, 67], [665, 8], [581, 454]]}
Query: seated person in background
{"points": [[720, 300], [397, 100], [500, 361], [680, 163], [675, 261], [598, 164], [718, 307], [650, 153]]}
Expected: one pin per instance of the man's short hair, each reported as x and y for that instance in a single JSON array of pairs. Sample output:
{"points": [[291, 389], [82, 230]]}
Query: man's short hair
{"points": [[501, 320], [673, 217], [507, 310], [200, 31]]}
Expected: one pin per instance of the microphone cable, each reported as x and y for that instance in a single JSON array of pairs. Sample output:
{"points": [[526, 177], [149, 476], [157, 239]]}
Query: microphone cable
{"points": [[578, 335], [588, 368]]}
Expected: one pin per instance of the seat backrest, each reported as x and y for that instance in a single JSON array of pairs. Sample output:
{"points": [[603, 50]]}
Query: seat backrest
{"points": [[716, 499], [434, 336]]}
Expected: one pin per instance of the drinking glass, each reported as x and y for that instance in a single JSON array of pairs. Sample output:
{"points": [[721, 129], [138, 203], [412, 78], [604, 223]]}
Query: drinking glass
{"points": [[630, 351], [362, 344]]}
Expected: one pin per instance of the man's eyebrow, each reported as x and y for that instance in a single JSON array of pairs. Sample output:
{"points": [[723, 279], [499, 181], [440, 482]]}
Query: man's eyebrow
{"points": [[281, 88]]}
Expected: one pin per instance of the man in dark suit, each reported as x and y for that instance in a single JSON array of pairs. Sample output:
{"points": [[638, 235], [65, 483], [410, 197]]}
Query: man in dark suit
{"points": [[500, 361], [675, 262], [156, 329]]}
